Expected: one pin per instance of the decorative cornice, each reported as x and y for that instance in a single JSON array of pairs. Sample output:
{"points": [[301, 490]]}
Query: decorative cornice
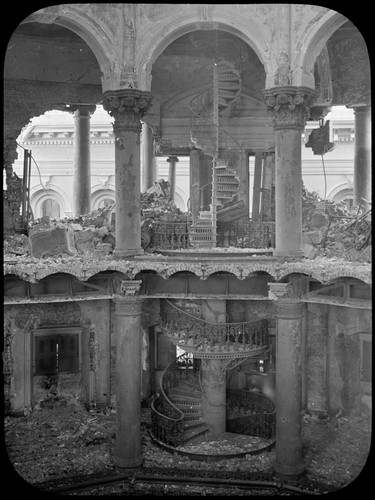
{"points": [[289, 105], [127, 107], [324, 270]]}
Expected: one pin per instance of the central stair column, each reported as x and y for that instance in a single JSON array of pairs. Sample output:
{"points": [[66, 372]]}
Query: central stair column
{"points": [[195, 194], [213, 374]]}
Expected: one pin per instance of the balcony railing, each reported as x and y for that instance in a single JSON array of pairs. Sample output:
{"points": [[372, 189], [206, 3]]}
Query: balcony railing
{"points": [[169, 235], [246, 234], [199, 336]]}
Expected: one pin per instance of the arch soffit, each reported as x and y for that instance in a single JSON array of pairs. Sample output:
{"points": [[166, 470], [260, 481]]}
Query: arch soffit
{"points": [[186, 24], [343, 187], [312, 43], [38, 195], [75, 19]]}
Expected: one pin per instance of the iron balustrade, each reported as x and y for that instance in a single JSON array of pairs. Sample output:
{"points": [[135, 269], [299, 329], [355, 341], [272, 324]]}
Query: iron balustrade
{"points": [[190, 331], [166, 418], [246, 234], [250, 413], [170, 235]]}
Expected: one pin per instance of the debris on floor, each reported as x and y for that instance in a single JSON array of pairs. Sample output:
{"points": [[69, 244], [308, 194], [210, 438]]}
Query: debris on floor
{"points": [[65, 439]]}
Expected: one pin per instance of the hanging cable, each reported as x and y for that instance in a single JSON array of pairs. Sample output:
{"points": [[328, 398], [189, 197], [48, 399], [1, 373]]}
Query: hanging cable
{"points": [[40, 177], [325, 178]]}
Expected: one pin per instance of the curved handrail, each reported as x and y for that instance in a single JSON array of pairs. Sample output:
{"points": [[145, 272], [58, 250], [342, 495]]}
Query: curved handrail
{"points": [[166, 428], [198, 334]]}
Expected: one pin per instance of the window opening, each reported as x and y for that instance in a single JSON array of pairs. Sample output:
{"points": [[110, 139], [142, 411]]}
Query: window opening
{"points": [[56, 353]]}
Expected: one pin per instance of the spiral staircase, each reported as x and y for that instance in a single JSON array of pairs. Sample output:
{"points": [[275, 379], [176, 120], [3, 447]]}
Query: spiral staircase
{"points": [[207, 135], [177, 415]]}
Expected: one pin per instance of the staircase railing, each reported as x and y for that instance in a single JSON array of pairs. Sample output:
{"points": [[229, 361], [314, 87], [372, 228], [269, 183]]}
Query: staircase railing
{"points": [[187, 331], [166, 418], [250, 413]]}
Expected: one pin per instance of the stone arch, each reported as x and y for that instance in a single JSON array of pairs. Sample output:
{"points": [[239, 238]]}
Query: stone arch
{"points": [[39, 194], [312, 43], [86, 27], [187, 23], [99, 195]]}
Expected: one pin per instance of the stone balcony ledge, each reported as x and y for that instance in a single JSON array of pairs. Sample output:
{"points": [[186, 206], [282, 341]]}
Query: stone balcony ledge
{"points": [[83, 267]]}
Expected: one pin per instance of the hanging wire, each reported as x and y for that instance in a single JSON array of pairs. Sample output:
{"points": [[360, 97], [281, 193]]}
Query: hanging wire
{"points": [[40, 177], [325, 178]]}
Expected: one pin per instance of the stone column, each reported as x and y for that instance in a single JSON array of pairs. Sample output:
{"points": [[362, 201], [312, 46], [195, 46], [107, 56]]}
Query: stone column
{"points": [[362, 157], [195, 181], [128, 310], [127, 106], [317, 365], [148, 161], [290, 107], [289, 315], [172, 160], [213, 374], [81, 160]]}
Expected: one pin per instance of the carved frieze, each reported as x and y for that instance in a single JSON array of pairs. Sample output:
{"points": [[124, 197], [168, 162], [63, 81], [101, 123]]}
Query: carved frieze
{"points": [[289, 105], [127, 107]]}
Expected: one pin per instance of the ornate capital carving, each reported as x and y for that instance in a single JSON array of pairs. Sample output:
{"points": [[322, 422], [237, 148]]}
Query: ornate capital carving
{"points": [[279, 291], [126, 288], [289, 105], [127, 107]]}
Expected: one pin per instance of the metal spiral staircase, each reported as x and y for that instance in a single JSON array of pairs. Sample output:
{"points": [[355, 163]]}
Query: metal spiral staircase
{"points": [[207, 135], [176, 412]]}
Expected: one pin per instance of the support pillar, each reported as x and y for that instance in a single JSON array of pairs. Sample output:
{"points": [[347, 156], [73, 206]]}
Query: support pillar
{"points": [[290, 106], [205, 182], [127, 450], [289, 388], [127, 106], [213, 375], [194, 181], [362, 157], [172, 160], [81, 161], [149, 173], [317, 365]]}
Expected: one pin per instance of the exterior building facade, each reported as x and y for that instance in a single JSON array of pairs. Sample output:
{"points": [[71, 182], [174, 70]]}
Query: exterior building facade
{"points": [[217, 84], [50, 140]]}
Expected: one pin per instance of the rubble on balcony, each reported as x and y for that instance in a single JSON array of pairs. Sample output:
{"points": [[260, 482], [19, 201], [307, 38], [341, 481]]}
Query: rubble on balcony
{"points": [[335, 231]]}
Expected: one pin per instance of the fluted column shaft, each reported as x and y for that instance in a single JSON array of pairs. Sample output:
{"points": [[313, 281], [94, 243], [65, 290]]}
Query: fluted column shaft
{"points": [[127, 106]]}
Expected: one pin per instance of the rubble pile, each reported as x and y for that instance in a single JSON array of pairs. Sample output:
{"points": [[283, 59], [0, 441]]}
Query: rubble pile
{"points": [[92, 233], [333, 230]]}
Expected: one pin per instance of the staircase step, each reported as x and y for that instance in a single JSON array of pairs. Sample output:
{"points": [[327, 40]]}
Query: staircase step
{"points": [[177, 396], [192, 433], [193, 424]]}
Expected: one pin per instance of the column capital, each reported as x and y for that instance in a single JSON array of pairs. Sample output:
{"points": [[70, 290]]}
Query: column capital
{"points": [[172, 159], [289, 105], [127, 107], [125, 289]]}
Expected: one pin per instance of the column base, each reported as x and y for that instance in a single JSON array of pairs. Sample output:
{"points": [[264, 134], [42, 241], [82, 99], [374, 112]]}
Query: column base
{"points": [[129, 252], [127, 463], [284, 471], [299, 253]]}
